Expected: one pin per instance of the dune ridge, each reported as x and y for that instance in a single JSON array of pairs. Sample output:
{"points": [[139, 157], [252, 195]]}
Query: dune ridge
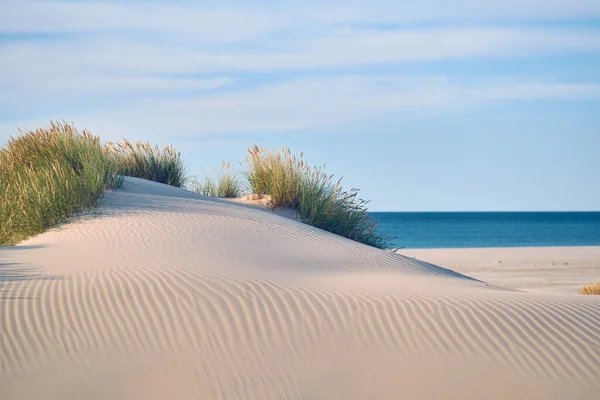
{"points": [[170, 294]]}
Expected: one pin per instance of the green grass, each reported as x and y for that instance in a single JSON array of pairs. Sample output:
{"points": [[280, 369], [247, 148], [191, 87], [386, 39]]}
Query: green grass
{"points": [[142, 160], [227, 183], [277, 174], [205, 186], [319, 200], [324, 204], [48, 175]]}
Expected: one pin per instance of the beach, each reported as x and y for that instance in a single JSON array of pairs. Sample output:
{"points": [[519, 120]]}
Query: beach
{"points": [[165, 293], [552, 270]]}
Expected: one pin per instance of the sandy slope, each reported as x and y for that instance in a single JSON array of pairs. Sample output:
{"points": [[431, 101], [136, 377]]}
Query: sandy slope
{"points": [[169, 294]]}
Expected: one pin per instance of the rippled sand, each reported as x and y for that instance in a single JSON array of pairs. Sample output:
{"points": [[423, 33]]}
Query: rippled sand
{"points": [[169, 294]]}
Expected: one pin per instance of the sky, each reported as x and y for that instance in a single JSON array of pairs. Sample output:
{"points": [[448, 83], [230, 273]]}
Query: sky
{"points": [[466, 105]]}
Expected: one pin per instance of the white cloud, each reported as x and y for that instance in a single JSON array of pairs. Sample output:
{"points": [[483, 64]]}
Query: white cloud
{"points": [[88, 71], [36, 74], [317, 104], [205, 24], [336, 49], [234, 21], [149, 69], [87, 84]]}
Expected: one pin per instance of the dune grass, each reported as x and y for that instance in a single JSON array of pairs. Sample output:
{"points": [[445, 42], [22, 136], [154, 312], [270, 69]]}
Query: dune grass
{"points": [[205, 186], [593, 289], [226, 183], [47, 175], [50, 174], [319, 200], [324, 204], [142, 160], [277, 174]]}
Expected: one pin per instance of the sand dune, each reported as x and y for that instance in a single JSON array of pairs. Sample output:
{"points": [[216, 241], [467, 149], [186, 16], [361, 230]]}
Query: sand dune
{"points": [[172, 295]]}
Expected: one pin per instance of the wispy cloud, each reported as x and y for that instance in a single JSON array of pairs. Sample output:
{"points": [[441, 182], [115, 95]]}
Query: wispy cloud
{"points": [[241, 20], [333, 49], [314, 104], [215, 68]]}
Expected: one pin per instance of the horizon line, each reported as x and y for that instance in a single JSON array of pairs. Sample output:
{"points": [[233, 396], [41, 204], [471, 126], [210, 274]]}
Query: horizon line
{"points": [[488, 211]]}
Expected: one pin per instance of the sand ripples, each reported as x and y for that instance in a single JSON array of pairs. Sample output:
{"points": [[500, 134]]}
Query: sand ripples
{"points": [[229, 302]]}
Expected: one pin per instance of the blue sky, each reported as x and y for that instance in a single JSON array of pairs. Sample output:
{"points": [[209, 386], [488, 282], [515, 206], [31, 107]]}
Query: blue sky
{"points": [[441, 106]]}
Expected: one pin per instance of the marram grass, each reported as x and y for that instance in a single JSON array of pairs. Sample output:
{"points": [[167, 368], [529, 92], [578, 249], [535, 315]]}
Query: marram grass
{"points": [[277, 174], [324, 204], [50, 174], [142, 160], [319, 200], [593, 289], [226, 184], [47, 175]]}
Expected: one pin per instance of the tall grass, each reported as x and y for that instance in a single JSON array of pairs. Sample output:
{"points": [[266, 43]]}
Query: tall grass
{"points": [[226, 183], [324, 204], [142, 160], [47, 175], [205, 186], [319, 200], [275, 173]]}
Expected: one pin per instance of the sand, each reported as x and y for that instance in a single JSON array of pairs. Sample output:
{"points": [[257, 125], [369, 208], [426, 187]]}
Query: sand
{"points": [[169, 294], [552, 270], [263, 203]]}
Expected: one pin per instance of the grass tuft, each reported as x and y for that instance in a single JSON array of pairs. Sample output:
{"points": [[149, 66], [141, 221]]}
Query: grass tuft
{"points": [[324, 204], [49, 174], [227, 183], [142, 160], [275, 173], [319, 200], [593, 289]]}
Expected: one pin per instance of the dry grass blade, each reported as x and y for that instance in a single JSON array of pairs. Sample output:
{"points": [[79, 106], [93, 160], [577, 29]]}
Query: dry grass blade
{"points": [[593, 289]]}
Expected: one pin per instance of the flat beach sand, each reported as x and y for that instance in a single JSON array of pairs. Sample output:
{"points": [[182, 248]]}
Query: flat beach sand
{"points": [[167, 294], [551, 270]]}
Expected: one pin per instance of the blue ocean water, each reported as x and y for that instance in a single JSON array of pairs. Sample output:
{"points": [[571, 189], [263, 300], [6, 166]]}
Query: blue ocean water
{"points": [[490, 229]]}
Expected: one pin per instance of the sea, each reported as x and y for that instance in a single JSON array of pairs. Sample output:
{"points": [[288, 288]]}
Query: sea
{"points": [[422, 230]]}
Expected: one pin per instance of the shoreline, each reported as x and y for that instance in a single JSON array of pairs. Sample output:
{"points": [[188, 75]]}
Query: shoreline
{"points": [[498, 247], [551, 269], [555, 269]]}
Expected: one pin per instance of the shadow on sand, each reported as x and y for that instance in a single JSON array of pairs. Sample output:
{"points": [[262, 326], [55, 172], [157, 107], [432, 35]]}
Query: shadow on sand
{"points": [[12, 274]]}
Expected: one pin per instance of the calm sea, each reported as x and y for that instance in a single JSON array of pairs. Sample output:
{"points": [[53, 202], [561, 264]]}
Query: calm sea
{"points": [[490, 229]]}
